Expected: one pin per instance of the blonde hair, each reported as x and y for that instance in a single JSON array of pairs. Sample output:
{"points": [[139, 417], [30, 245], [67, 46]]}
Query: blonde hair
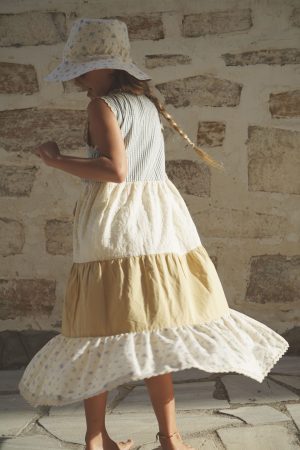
{"points": [[125, 82]]}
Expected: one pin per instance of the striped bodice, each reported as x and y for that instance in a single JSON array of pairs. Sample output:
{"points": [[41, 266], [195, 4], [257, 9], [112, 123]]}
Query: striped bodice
{"points": [[141, 129]]}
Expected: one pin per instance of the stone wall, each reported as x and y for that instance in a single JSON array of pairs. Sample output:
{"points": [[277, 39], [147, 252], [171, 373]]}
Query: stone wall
{"points": [[228, 73]]}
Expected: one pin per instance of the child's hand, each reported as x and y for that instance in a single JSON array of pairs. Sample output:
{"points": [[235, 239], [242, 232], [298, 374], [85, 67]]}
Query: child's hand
{"points": [[48, 152]]}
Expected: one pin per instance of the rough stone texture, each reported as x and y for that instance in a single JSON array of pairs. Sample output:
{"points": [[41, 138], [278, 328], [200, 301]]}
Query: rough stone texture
{"points": [[216, 22], [211, 133], [285, 104], [242, 390], [16, 181], [274, 279], [264, 437], [288, 365], [294, 411], [22, 129], [26, 297], [15, 414], [146, 26], [161, 60], [201, 90], [293, 338], [239, 223], [59, 237], [12, 237], [288, 380], [189, 176], [255, 415], [30, 442], [18, 78], [273, 160], [295, 17], [272, 56], [32, 28]]}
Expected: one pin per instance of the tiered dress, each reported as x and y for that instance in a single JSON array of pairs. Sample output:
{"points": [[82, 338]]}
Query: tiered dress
{"points": [[143, 297]]}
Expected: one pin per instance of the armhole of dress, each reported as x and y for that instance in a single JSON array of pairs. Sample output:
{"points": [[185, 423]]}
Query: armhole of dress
{"points": [[110, 103]]}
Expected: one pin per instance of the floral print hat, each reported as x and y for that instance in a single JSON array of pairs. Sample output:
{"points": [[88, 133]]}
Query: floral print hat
{"points": [[96, 44]]}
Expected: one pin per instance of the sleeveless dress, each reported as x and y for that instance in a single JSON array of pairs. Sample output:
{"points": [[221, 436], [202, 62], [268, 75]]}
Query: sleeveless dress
{"points": [[143, 297]]}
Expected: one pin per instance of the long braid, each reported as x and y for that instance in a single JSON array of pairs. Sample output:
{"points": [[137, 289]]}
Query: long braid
{"points": [[124, 82], [170, 119]]}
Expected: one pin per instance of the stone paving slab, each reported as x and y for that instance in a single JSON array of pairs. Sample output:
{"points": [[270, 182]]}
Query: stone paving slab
{"points": [[15, 414], [203, 443], [9, 380], [288, 365], [36, 442], [292, 381], [188, 396], [263, 437], [243, 389], [256, 415], [141, 427], [294, 411]]}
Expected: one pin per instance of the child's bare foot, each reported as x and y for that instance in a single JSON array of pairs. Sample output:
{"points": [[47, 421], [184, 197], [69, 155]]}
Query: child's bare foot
{"points": [[109, 444], [173, 442]]}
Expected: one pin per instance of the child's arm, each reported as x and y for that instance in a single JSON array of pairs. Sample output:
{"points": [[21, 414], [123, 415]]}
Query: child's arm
{"points": [[106, 135], [99, 169]]}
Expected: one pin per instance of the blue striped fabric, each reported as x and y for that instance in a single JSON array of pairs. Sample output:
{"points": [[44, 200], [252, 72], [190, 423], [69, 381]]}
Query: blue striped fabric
{"points": [[141, 129]]}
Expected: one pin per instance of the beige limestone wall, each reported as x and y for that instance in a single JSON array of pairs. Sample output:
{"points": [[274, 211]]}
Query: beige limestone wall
{"points": [[228, 72]]}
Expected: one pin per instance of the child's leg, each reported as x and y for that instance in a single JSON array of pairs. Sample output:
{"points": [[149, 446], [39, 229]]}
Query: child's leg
{"points": [[95, 408], [161, 393], [96, 434]]}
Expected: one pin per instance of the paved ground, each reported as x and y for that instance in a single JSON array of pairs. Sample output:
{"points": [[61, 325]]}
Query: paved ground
{"points": [[214, 411]]}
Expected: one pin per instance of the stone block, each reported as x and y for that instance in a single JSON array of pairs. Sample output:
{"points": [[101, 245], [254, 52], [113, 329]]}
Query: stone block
{"points": [[257, 415], [242, 390], [270, 56], [216, 22], [12, 237], [285, 104], [16, 181], [239, 223], [32, 28], [18, 78], [59, 234], [22, 297], [15, 415], [162, 60], [273, 279], [189, 176], [24, 129], [264, 437], [201, 90], [145, 26], [294, 410], [273, 160], [211, 133]]}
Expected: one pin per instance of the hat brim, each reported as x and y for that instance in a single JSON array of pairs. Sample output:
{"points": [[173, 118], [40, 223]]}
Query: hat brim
{"points": [[68, 70]]}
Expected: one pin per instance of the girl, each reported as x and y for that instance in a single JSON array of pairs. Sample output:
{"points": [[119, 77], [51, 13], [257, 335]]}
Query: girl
{"points": [[143, 298]]}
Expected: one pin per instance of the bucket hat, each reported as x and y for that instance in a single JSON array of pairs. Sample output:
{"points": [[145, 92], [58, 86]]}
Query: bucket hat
{"points": [[96, 44]]}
